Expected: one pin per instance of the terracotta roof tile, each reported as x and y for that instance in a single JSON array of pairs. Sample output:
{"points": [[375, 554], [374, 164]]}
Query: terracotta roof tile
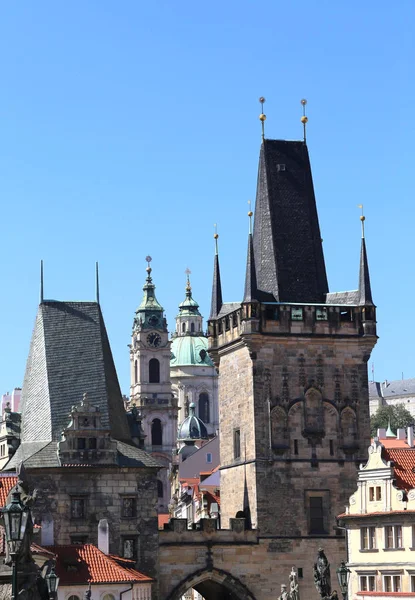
{"points": [[394, 443], [6, 484], [404, 466], [84, 563]]}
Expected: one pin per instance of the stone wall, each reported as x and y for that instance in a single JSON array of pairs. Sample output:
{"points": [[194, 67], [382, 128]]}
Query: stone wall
{"points": [[103, 489]]}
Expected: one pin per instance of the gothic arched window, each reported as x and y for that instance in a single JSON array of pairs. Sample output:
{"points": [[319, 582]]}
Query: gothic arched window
{"points": [[183, 327], [160, 488], [204, 407], [154, 371], [192, 327], [156, 433], [135, 372]]}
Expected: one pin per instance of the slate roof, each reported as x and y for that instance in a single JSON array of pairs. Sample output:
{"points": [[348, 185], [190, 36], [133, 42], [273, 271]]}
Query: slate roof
{"points": [[392, 389], [365, 290], [228, 307], [84, 563], [342, 298], [287, 241], [216, 302]]}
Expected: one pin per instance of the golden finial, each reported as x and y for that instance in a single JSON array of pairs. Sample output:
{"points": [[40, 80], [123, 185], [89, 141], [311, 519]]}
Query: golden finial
{"points": [[362, 219], [262, 117], [148, 260], [304, 118], [250, 213], [216, 235], [188, 286]]}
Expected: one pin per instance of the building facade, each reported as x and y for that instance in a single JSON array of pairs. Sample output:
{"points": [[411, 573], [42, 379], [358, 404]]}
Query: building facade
{"points": [[401, 391]]}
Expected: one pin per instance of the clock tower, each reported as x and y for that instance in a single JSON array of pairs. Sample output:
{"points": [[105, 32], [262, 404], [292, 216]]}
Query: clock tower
{"points": [[150, 389]]}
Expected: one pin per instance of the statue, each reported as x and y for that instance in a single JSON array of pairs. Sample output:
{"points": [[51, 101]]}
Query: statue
{"points": [[87, 595], [322, 574], [284, 594], [294, 593]]}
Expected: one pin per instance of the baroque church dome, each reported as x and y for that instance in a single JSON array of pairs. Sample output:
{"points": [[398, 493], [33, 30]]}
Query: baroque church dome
{"points": [[192, 428]]}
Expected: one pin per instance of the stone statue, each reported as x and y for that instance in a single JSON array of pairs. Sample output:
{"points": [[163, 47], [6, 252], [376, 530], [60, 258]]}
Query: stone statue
{"points": [[87, 595], [322, 574], [294, 593], [284, 594]]}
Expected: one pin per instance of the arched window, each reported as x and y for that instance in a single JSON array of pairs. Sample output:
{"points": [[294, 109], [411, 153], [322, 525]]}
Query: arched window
{"points": [[154, 371], [73, 597], [109, 597], [135, 372], [183, 327], [156, 433], [192, 327], [159, 488], [204, 407]]}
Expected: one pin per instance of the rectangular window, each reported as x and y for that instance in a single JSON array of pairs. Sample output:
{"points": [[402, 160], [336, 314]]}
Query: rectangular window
{"points": [[321, 314], [296, 314], [392, 583], [129, 548], [331, 448], [412, 583], [81, 443], [237, 443], [92, 443], [129, 507], [295, 446], [367, 583], [368, 538], [78, 507], [316, 515], [378, 493], [317, 504], [209, 457], [393, 536]]}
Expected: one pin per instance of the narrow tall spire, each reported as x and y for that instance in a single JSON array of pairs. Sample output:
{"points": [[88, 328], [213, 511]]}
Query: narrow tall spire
{"points": [[365, 290], [250, 293], [216, 304], [97, 282], [41, 281]]}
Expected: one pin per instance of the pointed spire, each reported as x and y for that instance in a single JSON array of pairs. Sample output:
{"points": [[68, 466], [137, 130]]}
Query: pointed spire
{"points": [[389, 432], [97, 282], [41, 281], [365, 290], [250, 293], [216, 304]]}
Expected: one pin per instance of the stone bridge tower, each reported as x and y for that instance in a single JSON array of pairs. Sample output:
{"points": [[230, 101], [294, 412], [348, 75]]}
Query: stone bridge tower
{"points": [[292, 359]]}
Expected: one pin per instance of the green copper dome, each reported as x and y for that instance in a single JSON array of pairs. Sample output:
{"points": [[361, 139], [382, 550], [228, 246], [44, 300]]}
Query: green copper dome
{"points": [[189, 306], [190, 350], [192, 428], [150, 313]]}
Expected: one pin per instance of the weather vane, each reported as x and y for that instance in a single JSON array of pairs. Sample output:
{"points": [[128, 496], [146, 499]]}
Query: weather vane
{"points": [[188, 272], [216, 235], [262, 117], [250, 213], [362, 219], [304, 118], [148, 259]]}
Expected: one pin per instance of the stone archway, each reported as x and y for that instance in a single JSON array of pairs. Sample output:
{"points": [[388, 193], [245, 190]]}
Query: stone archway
{"points": [[212, 585]]}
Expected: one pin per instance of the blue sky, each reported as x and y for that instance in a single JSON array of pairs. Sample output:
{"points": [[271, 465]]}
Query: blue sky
{"points": [[130, 128]]}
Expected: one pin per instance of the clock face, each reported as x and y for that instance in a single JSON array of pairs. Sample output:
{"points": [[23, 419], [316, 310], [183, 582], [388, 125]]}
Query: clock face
{"points": [[153, 339]]}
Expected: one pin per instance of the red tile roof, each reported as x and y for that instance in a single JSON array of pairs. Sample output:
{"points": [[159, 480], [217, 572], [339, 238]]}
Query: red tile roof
{"points": [[404, 466], [163, 519], [394, 443], [6, 484], [84, 563]]}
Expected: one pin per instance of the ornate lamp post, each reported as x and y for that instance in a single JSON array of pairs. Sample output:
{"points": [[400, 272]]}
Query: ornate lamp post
{"points": [[52, 581], [15, 516], [343, 575]]}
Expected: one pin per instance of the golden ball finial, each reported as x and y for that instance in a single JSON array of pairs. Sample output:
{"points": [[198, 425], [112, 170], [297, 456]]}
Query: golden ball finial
{"points": [[363, 218], [250, 213], [216, 235], [304, 119], [262, 117]]}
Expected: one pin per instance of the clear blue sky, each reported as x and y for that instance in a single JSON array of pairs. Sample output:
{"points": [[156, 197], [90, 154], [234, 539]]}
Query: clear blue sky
{"points": [[130, 128]]}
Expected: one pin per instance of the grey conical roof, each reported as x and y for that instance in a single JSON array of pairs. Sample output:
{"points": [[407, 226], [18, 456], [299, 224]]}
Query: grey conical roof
{"points": [[365, 290], [192, 428]]}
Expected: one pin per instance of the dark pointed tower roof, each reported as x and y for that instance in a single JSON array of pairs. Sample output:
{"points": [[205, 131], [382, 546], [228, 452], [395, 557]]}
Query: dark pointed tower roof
{"points": [[216, 303], [251, 291], [287, 242], [365, 290]]}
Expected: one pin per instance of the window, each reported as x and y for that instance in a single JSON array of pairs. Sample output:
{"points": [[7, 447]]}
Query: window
{"points": [[368, 538], [209, 457], [154, 371], [79, 539], [192, 327], [237, 443], [160, 492], [316, 514], [393, 537], [321, 314], [375, 494], [81, 443], [73, 597], [391, 583], [92, 443], [129, 507], [129, 547], [156, 433], [108, 597], [296, 314], [135, 372], [183, 327], [412, 583], [318, 511], [204, 407], [367, 583], [295, 446], [331, 448], [78, 507]]}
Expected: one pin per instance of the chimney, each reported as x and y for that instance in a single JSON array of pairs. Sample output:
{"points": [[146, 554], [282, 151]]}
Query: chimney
{"points": [[410, 436], [103, 536], [381, 434], [46, 532], [401, 434]]}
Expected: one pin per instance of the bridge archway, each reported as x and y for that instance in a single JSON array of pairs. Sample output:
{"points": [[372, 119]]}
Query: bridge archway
{"points": [[212, 584]]}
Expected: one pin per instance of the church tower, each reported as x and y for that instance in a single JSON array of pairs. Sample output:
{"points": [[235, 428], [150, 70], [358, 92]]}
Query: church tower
{"points": [[292, 359], [150, 389]]}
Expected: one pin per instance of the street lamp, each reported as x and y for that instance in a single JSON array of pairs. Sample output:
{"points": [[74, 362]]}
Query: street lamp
{"points": [[15, 516], [343, 574], [52, 581]]}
